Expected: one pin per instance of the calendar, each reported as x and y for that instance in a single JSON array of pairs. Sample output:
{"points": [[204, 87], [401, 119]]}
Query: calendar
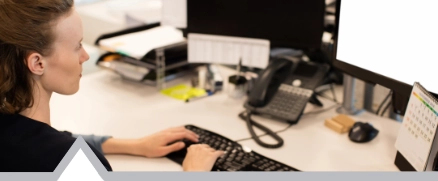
{"points": [[417, 132]]}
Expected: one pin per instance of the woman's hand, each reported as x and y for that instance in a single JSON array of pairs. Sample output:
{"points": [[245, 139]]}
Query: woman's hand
{"points": [[200, 157], [155, 145]]}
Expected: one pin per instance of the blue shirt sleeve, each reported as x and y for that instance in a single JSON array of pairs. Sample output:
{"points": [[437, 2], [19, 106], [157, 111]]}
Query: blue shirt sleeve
{"points": [[94, 140]]}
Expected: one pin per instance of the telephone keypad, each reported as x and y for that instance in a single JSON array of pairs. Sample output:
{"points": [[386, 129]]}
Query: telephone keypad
{"points": [[289, 102]]}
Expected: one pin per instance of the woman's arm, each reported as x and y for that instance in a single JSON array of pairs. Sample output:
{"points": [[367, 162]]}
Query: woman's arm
{"points": [[120, 146], [155, 145], [200, 157], [93, 140]]}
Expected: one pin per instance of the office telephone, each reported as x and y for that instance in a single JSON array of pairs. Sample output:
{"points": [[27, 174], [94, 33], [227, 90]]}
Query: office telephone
{"points": [[284, 88], [282, 91]]}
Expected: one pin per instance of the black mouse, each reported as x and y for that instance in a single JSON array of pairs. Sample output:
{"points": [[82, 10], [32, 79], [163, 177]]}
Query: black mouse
{"points": [[362, 132]]}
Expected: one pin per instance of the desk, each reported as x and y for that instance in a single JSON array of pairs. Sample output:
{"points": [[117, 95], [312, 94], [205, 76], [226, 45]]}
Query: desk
{"points": [[105, 104]]}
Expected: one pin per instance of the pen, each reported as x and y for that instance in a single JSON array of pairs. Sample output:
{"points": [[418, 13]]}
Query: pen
{"points": [[199, 97]]}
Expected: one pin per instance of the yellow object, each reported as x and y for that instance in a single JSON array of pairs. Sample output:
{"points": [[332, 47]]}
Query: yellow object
{"points": [[340, 123], [183, 92]]}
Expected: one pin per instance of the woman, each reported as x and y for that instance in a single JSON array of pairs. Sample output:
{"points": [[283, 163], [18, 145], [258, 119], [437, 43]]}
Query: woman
{"points": [[41, 53]]}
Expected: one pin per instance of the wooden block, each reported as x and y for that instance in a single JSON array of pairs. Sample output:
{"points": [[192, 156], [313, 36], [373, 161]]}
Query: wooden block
{"points": [[344, 120], [335, 126]]}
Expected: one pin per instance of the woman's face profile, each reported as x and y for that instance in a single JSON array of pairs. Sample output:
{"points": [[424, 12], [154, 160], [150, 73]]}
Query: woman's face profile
{"points": [[64, 66]]}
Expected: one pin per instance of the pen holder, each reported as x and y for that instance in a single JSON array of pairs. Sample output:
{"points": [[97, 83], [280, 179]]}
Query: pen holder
{"points": [[237, 86]]}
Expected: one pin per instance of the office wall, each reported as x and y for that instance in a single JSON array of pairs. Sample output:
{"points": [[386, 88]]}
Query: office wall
{"points": [[106, 16]]}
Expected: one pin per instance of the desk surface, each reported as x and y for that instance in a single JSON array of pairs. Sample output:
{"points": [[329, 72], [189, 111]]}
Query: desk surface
{"points": [[108, 105]]}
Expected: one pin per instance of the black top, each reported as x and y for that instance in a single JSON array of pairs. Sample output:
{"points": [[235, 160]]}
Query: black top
{"points": [[27, 145]]}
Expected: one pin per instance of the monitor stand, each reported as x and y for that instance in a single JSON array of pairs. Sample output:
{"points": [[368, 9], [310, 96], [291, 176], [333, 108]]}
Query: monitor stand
{"points": [[348, 106]]}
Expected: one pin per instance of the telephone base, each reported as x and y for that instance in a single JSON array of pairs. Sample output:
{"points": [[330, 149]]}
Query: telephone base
{"points": [[272, 117]]}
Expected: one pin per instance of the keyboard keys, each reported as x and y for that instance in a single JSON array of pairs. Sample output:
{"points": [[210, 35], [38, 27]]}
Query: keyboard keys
{"points": [[235, 157]]}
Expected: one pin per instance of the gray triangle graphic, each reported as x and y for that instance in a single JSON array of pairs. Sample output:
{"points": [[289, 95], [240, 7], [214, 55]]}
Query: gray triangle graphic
{"points": [[77, 145], [56, 174]]}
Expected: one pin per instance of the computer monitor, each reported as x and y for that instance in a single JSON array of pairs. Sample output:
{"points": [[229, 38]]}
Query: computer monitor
{"points": [[387, 42], [297, 24]]}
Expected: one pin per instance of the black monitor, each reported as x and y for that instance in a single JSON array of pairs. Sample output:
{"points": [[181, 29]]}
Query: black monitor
{"points": [[390, 43], [297, 24]]}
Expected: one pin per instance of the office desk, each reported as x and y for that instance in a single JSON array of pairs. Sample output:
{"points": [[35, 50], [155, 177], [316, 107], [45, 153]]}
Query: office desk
{"points": [[310, 146], [107, 105]]}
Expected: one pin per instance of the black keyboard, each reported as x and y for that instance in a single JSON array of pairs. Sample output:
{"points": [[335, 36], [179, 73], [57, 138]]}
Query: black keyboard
{"points": [[236, 157]]}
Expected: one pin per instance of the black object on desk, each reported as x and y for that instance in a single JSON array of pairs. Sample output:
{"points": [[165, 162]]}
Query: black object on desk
{"points": [[173, 58], [284, 88], [282, 91], [362, 132], [236, 157]]}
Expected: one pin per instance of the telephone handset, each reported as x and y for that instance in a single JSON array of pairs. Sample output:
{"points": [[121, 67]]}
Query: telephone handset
{"points": [[271, 77], [282, 91]]}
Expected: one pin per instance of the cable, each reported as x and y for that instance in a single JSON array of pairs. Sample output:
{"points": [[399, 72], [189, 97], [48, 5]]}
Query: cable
{"points": [[320, 111], [251, 123], [284, 129], [383, 102], [386, 108], [325, 96], [241, 115], [334, 98], [333, 93], [280, 141]]}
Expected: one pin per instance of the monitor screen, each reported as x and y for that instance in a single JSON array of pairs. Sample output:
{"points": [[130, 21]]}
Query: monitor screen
{"points": [[285, 23], [389, 42]]}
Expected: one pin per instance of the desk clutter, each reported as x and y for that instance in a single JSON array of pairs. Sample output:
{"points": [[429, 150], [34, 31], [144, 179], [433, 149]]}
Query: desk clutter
{"points": [[206, 83], [141, 54], [359, 132], [184, 92]]}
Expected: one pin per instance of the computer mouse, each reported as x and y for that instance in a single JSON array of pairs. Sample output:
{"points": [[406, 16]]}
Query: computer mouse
{"points": [[362, 132]]}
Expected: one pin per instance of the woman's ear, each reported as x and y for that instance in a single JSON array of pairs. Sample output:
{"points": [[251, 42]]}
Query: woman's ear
{"points": [[35, 63]]}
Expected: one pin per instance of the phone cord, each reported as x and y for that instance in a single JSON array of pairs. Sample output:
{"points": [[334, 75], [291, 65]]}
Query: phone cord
{"points": [[250, 123]]}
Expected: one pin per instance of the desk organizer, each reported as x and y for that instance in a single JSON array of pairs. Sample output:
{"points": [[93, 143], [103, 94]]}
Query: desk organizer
{"points": [[155, 68]]}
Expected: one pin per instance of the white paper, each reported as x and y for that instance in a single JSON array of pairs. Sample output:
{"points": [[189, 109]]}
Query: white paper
{"points": [[138, 44], [418, 129], [228, 50], [174, 13]]}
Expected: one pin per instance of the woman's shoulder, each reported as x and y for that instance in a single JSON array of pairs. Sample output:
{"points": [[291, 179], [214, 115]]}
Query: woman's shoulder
{"points": [[21, 129], [31, 145]]}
